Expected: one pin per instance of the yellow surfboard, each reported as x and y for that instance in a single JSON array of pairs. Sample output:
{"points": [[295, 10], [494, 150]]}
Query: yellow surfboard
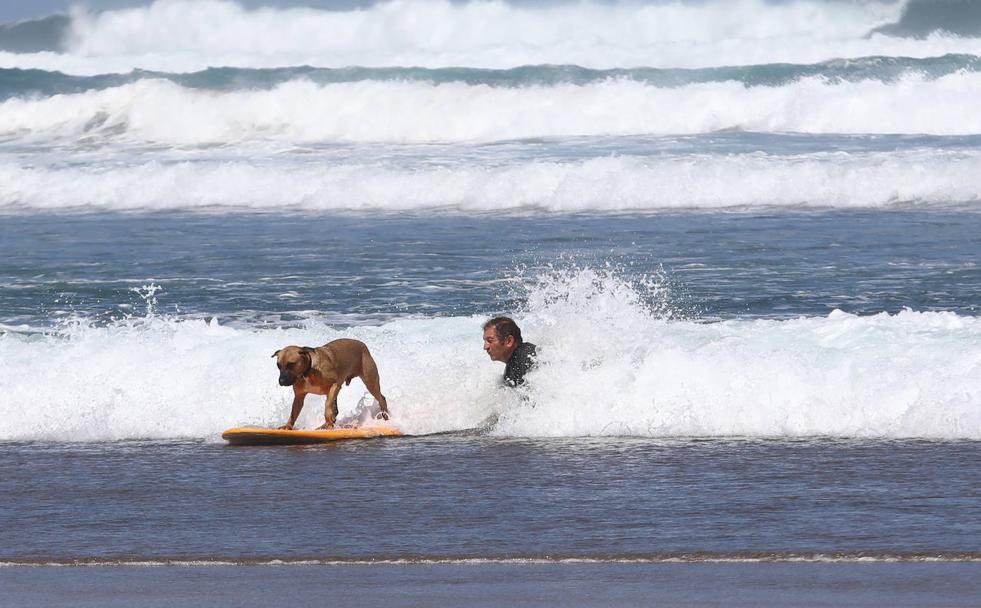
{"points": [[260, 436]]}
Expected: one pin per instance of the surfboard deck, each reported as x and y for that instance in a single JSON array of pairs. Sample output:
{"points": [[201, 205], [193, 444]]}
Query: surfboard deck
{"points": [[260, 436]]}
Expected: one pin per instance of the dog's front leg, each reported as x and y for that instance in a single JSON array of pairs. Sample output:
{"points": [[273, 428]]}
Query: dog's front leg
{"points": [[298, 398], [330, 407]]}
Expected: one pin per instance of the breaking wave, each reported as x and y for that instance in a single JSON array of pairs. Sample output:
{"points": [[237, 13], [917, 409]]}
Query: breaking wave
{"points": [[604, 184], [614, 362], [187, 36], [158, 111]]}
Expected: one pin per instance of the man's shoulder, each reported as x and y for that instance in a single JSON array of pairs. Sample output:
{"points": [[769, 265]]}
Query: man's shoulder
{"points": [[526, 348], [524, 354], [521, 362]]}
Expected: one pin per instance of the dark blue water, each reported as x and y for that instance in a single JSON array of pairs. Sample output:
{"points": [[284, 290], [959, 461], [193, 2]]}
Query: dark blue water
{"points": [[277, 268], [600, 585], [461, 496]]}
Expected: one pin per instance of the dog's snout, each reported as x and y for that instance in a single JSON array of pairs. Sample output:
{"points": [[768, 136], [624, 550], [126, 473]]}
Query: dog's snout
{"points": [[285, 379]]}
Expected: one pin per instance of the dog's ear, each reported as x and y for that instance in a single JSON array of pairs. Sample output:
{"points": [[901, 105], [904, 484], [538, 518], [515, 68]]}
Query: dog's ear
{"points": [[276, 354], [306, 350]]}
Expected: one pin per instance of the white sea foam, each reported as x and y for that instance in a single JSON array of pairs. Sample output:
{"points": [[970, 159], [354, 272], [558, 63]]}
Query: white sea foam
{"points": [[189, 35], [711, 181], [160, 111], [609, 366]]}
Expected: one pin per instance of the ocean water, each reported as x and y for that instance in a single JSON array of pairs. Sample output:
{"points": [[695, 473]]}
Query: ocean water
{"points": [[745, 237]]}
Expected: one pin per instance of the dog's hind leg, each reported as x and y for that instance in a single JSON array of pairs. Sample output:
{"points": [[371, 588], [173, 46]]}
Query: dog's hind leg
{"points": [[369, 374]]}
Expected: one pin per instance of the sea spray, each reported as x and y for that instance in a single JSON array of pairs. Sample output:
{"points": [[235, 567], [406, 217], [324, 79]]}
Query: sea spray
{"points": [[611, 364]]}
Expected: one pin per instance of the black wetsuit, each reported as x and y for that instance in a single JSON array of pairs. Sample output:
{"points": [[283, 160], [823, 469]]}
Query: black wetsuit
{"points": [[521, 362]]}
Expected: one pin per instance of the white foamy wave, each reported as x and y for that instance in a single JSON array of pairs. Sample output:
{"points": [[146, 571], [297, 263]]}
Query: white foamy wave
{"points": [[189, 35], [162, 378], [842, 180], [159, 111], [608, 366]]}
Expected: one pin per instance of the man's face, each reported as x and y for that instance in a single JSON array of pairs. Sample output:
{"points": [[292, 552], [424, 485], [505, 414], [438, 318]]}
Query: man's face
{"points": [[497, 349]]}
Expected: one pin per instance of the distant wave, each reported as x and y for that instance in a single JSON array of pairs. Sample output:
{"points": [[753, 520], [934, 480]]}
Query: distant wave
{"points": [[16, 82], [625, 183], [158, 111], [921, 18], [35, 35], [909, 375], [179, 36]]}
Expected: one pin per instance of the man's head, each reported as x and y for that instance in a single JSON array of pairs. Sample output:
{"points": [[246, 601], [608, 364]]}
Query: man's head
{"points": [[501, 336]]}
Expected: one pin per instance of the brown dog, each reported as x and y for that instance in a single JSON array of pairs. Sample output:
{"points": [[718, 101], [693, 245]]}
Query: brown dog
{"points": [[322, 370]]}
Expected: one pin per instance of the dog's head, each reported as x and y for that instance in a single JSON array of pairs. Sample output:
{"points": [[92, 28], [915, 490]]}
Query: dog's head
{"points": [[293, 362]]}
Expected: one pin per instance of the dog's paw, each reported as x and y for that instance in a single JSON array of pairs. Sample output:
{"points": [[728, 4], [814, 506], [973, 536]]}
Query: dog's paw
{"points": [[286, 427]]}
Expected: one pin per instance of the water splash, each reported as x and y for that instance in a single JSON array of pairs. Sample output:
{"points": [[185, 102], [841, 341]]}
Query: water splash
{"points": [[148, 293], [615, 360]]}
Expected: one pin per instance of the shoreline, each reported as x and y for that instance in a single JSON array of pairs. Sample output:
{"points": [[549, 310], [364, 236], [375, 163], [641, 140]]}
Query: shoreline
{"points": [[685, 584], [939, 557]]}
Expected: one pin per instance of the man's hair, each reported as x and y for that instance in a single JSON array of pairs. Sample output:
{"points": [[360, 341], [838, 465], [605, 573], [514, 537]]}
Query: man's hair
{"points": [[504, 327]]}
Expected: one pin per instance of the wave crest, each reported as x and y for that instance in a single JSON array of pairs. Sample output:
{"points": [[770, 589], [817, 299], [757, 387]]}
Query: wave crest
{"points": [[839, 180], [610, 365], [157, 111], [185, 35]]}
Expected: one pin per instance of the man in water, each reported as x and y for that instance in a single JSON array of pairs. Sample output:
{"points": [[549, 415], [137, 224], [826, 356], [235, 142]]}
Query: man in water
{"points": [[502, 342]]}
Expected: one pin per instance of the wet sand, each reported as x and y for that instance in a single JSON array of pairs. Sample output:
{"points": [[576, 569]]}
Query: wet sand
{"points": [[598, 584]]}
